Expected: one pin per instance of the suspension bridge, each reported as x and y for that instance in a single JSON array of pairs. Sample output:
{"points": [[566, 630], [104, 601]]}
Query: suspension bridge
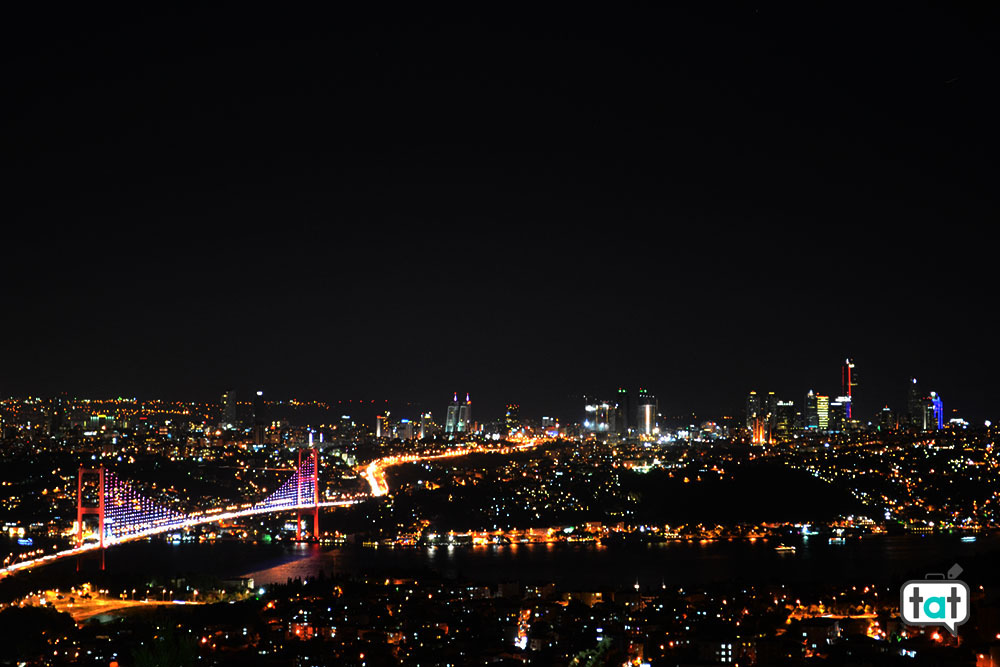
{"points": [[124, 514]]}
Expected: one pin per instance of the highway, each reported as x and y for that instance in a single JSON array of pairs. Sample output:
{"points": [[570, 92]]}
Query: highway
{"points": [[374, 472]]}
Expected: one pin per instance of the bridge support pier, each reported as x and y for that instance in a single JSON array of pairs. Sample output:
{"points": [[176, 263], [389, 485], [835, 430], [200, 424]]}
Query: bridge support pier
{"points": [[83, 510], [304, 494]]}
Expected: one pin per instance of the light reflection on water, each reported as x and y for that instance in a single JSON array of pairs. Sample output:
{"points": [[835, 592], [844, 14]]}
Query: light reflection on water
{"points": [[877, 559]]}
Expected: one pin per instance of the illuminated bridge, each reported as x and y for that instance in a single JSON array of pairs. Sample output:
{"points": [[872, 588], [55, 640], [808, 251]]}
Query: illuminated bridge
{"points": [[124, 514]]}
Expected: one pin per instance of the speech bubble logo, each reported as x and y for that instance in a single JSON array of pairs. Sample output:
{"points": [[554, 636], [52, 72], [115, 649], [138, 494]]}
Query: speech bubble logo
{"points": [[935, 602]]}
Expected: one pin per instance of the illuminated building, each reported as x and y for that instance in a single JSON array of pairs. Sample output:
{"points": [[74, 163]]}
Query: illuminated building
{"points": [[56, 416], [848, 381], [599, 416], [823, 412], [753, 408], [425, 425], [885, 420], [771, 409], [459, 416], [512, 419], [933, 417], [451, 419], [760, 406], [465, 415], [259, 418], [784, 418], [915, 406], [623, 411], [228, 403], [837, 415], [811, 412], [382, 426], [647, 413], [404, 431]]}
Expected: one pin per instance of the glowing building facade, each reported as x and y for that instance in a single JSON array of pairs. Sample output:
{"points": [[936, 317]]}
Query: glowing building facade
{"points": [[646, 418], [459, 417]]}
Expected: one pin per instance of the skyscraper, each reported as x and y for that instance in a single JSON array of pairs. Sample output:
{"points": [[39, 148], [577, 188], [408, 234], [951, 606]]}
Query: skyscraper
{"points": [[465, 416], [885, 422], [623, 411], [764, 406], [56, 416], [228, 404], [647, 413], [933, 412], [811, 412], [848, 381], [770, 404], [599, 416], [459, 416], [451, 417], [784, 421], [425, 425], [837, 416], [823, 412], [512, 419], [259, 418], [915, 406], [753, 409]]}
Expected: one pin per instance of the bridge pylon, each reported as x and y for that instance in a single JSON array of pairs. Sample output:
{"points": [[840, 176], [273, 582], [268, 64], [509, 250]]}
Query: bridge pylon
{"points": [[307, 493], [83, 510]]}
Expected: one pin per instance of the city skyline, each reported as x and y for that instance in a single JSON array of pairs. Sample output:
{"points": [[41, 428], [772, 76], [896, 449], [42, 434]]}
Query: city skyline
{"points": [[649, 336], [871, 407]]}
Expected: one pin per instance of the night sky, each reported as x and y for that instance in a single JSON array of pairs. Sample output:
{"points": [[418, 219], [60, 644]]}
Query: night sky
{"points": [[527, 207]]}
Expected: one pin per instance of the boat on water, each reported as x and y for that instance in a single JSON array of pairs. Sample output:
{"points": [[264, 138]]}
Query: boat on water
{"points": [[969, 538], [837, 540], [784, 548]]}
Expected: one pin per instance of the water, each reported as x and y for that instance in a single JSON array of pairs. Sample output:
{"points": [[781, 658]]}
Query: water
{"points": [[882, 560], [878, 560]]}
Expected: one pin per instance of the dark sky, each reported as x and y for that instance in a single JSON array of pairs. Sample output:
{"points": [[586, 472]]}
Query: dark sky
{"points": [[527, 207]]}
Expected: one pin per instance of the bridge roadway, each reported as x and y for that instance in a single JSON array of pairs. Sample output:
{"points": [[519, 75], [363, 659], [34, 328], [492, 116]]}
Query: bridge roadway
{"points": [[190, 522], [373, 473]]}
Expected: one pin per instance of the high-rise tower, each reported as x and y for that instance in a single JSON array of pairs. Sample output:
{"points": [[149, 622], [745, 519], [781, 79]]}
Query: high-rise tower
{"points": [[647, 413], [228, 404], [624, 411], [915, 406], [465, 416], [811, 411], [753, 409], [259, 418], [933, 412], [823, 412], [512, 420], [784, 418], [459, 416], [848, 381], [451, 418]]}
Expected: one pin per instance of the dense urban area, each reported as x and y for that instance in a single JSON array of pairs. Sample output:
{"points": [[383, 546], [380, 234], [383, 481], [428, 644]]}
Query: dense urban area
{"points": [[781, 480]]}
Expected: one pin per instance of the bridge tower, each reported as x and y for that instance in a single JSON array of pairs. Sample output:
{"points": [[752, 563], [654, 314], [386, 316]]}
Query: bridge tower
{"points": [[83, 510], [306, 495]]}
